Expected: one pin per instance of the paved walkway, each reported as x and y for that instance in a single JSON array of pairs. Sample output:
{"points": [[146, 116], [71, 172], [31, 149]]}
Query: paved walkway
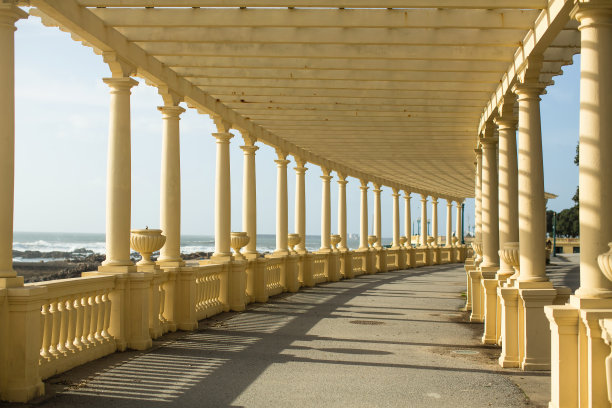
{"points": [[395, 339]]}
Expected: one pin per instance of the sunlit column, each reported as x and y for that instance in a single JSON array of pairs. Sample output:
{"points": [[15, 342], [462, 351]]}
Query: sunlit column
{"points": [[595, 144], [223, 213], [434, 220], [458, 223], [377, 224], [249, 195], [325, 211], [478, 196], [170, 200], [508, 180], [489, 202], [300, 202], [281, 204], [342, 210], [532, 231], [9, 14], [449, 223], [407, 219], [363, 227], [396, 219], [423, 220], [119, 177]]}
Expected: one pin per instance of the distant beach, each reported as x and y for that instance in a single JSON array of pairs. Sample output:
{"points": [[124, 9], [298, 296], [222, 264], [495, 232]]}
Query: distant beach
{"points": [[41, 256]]}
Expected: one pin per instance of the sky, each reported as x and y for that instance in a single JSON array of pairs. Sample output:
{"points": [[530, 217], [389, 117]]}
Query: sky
{"points": [[62, 109]]}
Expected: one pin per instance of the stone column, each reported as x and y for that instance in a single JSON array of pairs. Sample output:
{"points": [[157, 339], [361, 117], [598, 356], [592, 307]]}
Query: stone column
{"points": [[363, 227], [508, 182], [449, 223], [223, 201], [377, 225], [342, 210], [423, 220], [407, 219], [170, 200], [434, 220], [281, 204], [396, 219], [532, 232], [489, 202], [119, 177], [595, 170], [300, 203], [249, 195], [478, 197], [9, 14], [325, 211], [458, 223]]}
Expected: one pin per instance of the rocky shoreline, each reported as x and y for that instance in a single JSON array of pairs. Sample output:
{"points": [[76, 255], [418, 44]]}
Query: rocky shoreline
{"points": [[65, 265]]}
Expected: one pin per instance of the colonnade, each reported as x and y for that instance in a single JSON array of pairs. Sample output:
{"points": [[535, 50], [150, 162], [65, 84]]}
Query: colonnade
{"points": [[538, 326]]}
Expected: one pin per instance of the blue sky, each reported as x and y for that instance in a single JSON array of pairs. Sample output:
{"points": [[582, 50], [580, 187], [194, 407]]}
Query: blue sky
{"points": [[61, 141]]}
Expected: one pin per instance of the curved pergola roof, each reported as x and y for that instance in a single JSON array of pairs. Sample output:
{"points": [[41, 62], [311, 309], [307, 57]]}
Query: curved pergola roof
{"points": [[394, 92]]}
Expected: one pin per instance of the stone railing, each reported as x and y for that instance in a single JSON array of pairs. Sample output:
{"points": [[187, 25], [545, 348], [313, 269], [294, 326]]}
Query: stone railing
{"points": [[319, 268], [76, 316], [57, 325], [208, 291], [272, 276]]}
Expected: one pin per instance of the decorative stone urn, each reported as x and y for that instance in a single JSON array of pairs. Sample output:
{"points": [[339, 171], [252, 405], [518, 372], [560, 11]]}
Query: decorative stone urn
{"points": [[510, 254], [372, 240], [292, 241], [145, 242], [430, 241], [403, 241], [335, 240], [605, 262], [238, 241], [454, 240], [477, 245]]}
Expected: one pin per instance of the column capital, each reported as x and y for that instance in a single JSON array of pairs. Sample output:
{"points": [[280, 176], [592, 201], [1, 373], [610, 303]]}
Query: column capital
{"points": [[123, 84], [169, 111], [299, 161], [222, 137], [478, 152], [506, 123], [529, 90], [395, 191], [282, 163], [423, 198], [591, 13], [326, 172], [222, 125], [281, 154], [10, 13], [248, 139], [407, 195], [249, 149], [342, 182], [300, 169], [364, 183], [341, 176], [449, 203], [326, 178], [489, 142], [377, 188], [434, 200]]}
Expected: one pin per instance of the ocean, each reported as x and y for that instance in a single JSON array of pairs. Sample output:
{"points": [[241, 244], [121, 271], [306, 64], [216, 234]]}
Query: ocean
{"points": [[71, 242]]}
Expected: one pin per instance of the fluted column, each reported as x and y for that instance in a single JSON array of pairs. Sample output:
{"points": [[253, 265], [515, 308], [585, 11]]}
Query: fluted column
{"points": [[223, 200], [478, 196], [449, 223], [508, 182], [396, 219], [595, 169], [407, 219], [300, 203], [458, 223], [119, 177], [325, 211], [363, 227], [490, 210], [249, 195], [423, 220], [377, 222], [434, 220], [170, 200], [342, 210], [9, 14], [281, 204], [532, 231]]}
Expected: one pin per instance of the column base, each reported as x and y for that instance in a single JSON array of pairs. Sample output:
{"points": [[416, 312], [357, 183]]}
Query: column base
{"points": [[13, 282], [116, 269], [535, 328]]}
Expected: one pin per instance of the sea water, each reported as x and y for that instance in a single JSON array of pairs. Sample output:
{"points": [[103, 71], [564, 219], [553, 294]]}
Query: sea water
{"points": [[95, 242]]}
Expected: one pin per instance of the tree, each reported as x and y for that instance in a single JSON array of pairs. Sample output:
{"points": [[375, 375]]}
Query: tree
{"points": [[549, 221], [568, 224], [576, 197]]}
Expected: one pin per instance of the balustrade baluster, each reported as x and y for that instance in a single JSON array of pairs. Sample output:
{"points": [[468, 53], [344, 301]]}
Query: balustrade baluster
{"points": [[46, 340], [100, 318], [63, 326], [71, 324], [55, 327], [78, 331], [93, 319], [107, 316], [86, 320]]}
